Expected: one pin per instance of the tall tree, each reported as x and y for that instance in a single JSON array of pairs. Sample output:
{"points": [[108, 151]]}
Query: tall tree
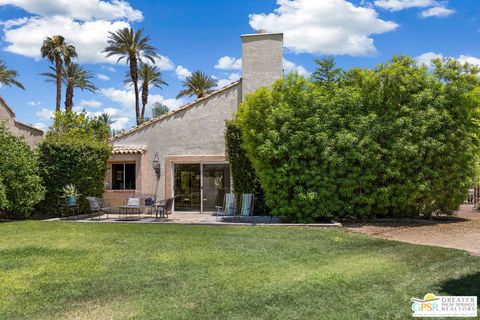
{"points": [[198, 84], [73, 76], [59, 52], [148, 76], [132, 46], [159, 109], [326, 72], [8, 77]]}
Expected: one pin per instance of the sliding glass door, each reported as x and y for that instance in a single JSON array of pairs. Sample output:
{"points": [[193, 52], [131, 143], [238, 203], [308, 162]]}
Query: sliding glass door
{"points": [[216, 182], [200, 187], [187, 187]]}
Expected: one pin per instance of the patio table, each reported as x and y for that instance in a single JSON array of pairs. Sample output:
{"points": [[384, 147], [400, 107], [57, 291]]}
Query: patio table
{"points": [[131, 210]]}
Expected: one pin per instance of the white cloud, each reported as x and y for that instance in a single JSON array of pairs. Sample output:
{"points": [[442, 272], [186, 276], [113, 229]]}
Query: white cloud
{"points": [[109, 68], [34, 103], [81, 10], [232, 77], [119, 117], [89, 37], [182, 72], [126, 98], [120, 123], [396, 5], [164, 63], [90, 103], [13, 22], [289, 66], [324, 27], [103, 77], [469, 59], [229, 63], [85, 24], [45, 114], [439, 12], [40, 125], [427, 58]]}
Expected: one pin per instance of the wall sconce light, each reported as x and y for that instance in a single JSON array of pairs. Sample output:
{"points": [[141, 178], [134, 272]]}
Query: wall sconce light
{"points": [[156, 165]]}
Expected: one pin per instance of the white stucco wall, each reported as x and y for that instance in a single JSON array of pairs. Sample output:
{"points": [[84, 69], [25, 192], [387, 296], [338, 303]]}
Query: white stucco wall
{"points": [[198, 130], [196, 134], [30, 135]]}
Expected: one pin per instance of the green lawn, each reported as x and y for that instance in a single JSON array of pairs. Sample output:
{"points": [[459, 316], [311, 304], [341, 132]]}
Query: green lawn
{"points": [[104, 271]]}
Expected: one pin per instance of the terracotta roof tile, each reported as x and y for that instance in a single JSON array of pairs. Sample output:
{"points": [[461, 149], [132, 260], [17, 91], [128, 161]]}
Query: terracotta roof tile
{"points": [[129, 150]]}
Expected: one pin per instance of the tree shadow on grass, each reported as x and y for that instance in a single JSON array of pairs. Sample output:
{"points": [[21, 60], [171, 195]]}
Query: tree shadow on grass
{"points": [[468, 285]]}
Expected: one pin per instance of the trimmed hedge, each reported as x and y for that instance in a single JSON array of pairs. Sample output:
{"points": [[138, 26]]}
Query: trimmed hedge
{"points": [[20, 184], [393, 141], [63, 160], [243, 175]]}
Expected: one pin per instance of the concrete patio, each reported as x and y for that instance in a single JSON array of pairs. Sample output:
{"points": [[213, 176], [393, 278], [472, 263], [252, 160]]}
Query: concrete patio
{"points": [[191, 218]]}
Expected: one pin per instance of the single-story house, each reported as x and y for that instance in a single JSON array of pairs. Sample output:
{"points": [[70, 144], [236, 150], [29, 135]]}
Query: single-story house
{"points": [[182, 154], [31, 135]]}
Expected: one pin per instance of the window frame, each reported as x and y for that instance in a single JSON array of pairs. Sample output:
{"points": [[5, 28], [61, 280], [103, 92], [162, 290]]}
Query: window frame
{"points": [[123, 164]]}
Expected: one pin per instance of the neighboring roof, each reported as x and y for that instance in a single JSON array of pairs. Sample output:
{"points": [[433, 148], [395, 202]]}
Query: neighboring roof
{"points": [[171, 113], [16, 121], [129, 150], [7, 106], [29, 126]]}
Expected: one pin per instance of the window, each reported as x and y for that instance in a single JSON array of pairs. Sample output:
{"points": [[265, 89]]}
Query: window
{"points": [[123, 176]]}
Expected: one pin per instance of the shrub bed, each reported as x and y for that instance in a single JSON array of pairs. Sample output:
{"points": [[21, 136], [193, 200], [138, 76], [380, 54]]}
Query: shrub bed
{"points": [[20, 184], [394, 141], [244, 177]]}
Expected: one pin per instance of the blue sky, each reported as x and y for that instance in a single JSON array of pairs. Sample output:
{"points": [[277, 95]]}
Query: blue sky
{"points": [[192, 34]]}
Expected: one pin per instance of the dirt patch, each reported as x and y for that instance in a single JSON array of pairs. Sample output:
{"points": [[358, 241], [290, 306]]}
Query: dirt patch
{"points": [[460, 232]]}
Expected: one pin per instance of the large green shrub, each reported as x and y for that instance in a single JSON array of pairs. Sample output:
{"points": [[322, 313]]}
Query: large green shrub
{"points": [[392, 141], [243, 175], [72, 154], [20, 185]]}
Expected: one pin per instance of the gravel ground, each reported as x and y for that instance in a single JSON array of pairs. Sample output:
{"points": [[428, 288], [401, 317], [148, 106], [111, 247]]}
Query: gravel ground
{"points": [[459, 232]]}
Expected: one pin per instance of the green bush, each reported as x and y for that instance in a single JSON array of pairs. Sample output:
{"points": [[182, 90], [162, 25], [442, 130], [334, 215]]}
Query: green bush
{"points": [[20, 185], [243, 175], [72, 154], [393, 141]]}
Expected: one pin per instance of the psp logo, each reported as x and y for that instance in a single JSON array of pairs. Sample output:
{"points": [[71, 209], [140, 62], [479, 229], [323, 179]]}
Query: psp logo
{"points": [[444, 306], [429, 303]]}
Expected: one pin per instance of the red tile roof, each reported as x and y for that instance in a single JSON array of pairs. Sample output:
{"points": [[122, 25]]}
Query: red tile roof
{"points": [[129, 150]]}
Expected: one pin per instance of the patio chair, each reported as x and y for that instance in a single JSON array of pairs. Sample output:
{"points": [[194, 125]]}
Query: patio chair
{"points": [[132, 205], [163, 207], [149, 205], [133, 201], [98, 205], [229, 206], [247, 204]]}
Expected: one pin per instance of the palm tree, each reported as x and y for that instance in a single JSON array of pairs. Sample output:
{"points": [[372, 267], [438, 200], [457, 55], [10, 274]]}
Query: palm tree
{"points": [[58, 51], [73, 76], [132, 46], [106, 119], [148, 76], [198, 84], [7, 77], [102, 125]]}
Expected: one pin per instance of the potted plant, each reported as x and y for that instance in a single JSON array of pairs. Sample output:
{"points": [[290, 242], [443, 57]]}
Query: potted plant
{"points": [[71, 194]]}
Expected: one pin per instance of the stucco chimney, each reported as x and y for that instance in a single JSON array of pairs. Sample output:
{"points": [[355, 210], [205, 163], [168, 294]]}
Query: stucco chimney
{"points": [[261, 60]]}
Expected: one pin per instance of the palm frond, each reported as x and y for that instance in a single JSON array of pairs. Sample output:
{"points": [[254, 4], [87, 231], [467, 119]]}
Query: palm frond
{"points": [[198, 84], [8, 77]]}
